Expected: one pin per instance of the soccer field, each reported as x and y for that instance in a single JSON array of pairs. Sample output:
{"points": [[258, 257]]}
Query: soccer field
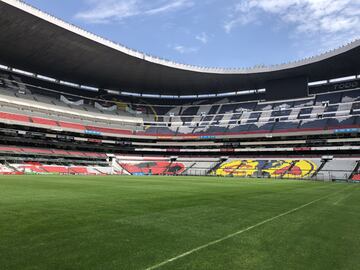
{"points": [[75, 222]]}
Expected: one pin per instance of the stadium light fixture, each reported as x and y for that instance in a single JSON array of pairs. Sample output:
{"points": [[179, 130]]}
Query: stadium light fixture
{"points": [[89, 88], [317, 83], [112, 92], [348, 78], [168, 97], [131, 94], [45, 78], [202, 96], [227, 94], [69, 84], [150, 96], [188, 97], [23, 72]]}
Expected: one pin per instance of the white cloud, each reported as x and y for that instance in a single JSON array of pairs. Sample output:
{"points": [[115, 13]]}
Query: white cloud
{"points": [[170, 6], [104, 11], [185, 50], [203, 38], [319, 19]]}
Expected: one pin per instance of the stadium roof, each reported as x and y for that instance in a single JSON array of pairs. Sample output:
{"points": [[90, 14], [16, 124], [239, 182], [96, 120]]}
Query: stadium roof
{"points": [[34, 41]]}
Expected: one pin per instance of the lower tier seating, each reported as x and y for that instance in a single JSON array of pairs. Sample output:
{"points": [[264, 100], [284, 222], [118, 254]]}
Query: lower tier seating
{"points": [[276, 167], [38, 168], [286, 168]]}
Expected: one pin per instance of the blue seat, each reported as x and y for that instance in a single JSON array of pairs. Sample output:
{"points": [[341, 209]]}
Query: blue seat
{"points": [[320, 123], [331, 98], [286, 125], [240, 128]]}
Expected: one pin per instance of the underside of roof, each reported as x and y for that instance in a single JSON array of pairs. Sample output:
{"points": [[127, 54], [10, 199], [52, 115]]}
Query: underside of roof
{"points": [[34, 41]]}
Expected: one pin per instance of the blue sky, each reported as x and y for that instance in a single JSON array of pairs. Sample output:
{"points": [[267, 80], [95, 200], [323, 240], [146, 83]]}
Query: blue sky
{"points": [[217, 33]]}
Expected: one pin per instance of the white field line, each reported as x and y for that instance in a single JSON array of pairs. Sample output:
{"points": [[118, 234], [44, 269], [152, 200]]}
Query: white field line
{"points": [[344, 197], [239, 232]]}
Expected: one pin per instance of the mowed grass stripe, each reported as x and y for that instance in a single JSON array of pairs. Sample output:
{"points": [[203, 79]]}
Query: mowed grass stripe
{"points": [[319, 237], [187, 253], [57, 222]]}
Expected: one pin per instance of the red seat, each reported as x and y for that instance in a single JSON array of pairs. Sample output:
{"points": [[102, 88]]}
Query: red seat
{"points": [[44, 121], [15, 117], [72, 125], [92, 154], [60, 152], [37, 150], [76, 153], [79, 170], [33, 168], [56, 169], [10, 149], [33, 163]]}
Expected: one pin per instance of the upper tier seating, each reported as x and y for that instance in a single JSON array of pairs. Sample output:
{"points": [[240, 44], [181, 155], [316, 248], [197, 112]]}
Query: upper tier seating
{"points": [[197, 117]]}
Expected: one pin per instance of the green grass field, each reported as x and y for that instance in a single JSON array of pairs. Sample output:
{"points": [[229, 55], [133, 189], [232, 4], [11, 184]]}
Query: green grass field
{"points": [[69, 222]]}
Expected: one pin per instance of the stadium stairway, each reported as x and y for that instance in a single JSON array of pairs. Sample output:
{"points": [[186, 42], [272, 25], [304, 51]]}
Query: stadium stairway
{"points": [[42, 169], [6, 170], [97, 171], [167, 172], [12, 167], [356, 171], [216, 166], [188, 168], [293, 163], [118, 167], [323, 163]]}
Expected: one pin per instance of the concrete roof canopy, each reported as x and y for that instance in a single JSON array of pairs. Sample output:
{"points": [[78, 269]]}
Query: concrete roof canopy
{"points": [[34, 41]]}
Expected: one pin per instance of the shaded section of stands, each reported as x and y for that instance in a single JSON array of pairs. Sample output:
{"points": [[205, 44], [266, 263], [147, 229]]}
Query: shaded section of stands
{"points": [[54, 152]]}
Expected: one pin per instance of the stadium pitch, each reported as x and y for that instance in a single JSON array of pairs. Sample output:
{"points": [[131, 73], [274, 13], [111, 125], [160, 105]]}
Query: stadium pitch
{"points": [[75, 222]]}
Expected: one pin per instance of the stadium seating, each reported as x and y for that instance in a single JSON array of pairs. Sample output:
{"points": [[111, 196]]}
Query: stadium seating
{"points": [[78, 170], [44, 121], [311, 168], [14, 117], [6, 170], [71, 125], [52, 152], [272, 168], [339, 169], [153, 167], [24, 102], [203, 117], [37, 168], [281, 168]]}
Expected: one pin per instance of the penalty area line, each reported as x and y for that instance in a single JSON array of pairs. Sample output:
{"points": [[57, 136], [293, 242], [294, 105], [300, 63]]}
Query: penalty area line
{"points": [[238, 232]]}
